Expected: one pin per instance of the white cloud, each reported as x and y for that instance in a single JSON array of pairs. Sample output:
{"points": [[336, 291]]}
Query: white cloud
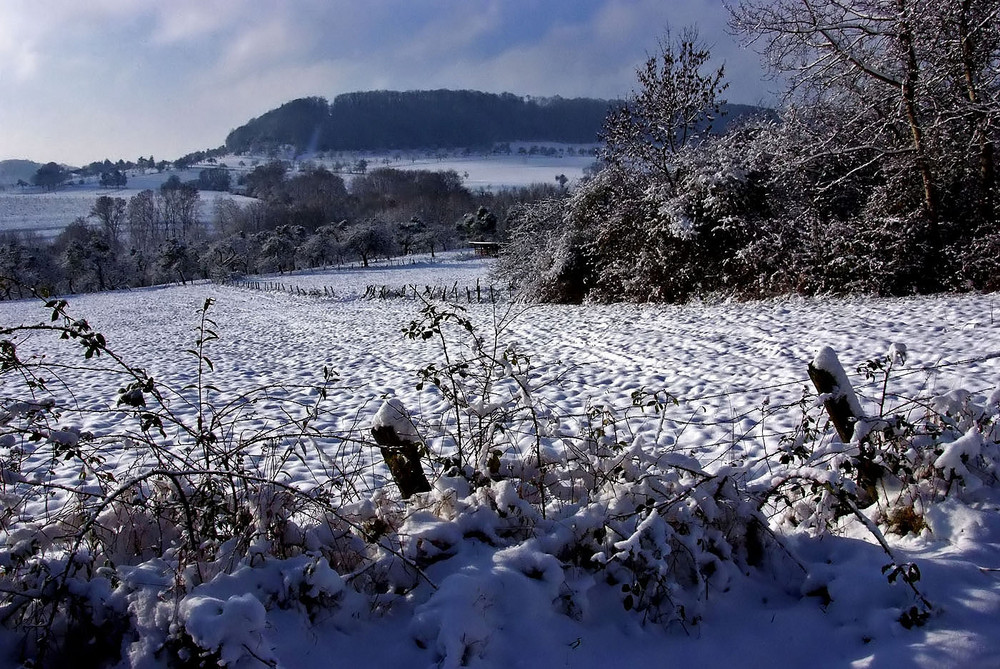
{"points": [[451, 33], [180, 21], [19, 57], [18, 62], [260, 46]]}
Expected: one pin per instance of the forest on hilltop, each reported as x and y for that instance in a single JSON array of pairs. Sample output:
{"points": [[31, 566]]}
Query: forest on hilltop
{"points": [[425, 119]]}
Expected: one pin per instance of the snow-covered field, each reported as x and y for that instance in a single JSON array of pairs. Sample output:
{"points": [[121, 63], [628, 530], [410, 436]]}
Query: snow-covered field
{"points": [[478, 171], [499, 171], [46, 213], [737, 371]]}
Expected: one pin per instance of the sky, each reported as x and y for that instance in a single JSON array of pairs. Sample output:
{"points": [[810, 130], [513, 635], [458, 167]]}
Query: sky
{"points": [[84, 81]]}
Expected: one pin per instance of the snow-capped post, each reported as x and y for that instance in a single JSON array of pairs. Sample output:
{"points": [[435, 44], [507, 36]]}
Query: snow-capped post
{"points": [[842, 404], [831, 381], [398, 440]]}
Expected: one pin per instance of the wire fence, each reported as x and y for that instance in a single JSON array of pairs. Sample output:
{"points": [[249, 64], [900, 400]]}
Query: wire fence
{"points": [[766, 421], [478, 294]]}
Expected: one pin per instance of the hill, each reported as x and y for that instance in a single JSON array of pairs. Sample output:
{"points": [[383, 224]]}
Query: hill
{"points": [[13, 170], [425, 119]]}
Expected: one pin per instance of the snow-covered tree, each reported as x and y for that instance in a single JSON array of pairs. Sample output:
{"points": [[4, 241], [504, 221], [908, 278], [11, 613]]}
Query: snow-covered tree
{"points": [[369, 239], [912, 89], [677, 101]]}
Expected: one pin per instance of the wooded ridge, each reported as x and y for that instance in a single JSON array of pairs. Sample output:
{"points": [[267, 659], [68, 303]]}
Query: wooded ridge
{"points": [[427, 119]]}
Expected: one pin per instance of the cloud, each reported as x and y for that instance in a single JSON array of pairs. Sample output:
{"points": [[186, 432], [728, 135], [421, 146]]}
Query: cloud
{"points": [[19, 55], [18, 62], [180, 21], [260, 46], [127, 77]]}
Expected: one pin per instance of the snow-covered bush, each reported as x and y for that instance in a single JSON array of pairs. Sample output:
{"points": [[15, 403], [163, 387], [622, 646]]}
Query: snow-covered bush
{"points": [[591, 493], [628, 235], [904, 456], [771, 207]]}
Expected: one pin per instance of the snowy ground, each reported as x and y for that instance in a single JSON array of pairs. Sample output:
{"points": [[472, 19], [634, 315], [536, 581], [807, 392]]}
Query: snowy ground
{"points": [[479, 171], [498, 171], [46, 213], [728, 364]]}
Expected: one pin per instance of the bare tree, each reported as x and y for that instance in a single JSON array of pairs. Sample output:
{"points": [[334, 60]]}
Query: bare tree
{"points": [[143, 217], [181, 204], [110, 213], [229, 216], [971, 31]]}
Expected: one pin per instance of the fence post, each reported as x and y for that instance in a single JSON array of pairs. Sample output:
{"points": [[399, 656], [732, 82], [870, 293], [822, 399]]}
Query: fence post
{"points": [[842, 404], [830, 379], [397, 439]]}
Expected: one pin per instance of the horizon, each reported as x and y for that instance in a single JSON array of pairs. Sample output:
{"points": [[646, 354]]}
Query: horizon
{"points": [[113, 80], [172, 158]]}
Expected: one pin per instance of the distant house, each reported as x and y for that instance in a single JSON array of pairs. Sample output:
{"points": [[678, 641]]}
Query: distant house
{"points": [[486, 249]]}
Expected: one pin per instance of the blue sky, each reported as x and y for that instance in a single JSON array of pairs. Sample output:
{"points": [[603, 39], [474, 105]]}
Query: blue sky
{"points": [[82, 80]]}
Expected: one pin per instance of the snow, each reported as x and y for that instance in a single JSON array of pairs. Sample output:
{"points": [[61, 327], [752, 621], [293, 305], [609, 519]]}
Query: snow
{"points": [[49, 212], [393, 414], [46, 213], [228, 626], [488, 172], [959, 452], [495, 172], [484, 600]]}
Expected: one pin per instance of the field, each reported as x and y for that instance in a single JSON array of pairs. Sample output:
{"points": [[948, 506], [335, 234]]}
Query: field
{"points": [[496, 171], [737, 371], [46, 213]]}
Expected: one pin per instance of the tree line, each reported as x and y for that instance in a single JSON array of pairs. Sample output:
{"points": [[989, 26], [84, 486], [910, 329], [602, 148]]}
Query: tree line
{"points": [[422, 119], [52, 175], [878, 174], [299, 219]]}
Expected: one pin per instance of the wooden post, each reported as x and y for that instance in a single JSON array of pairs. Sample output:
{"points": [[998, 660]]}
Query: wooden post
{"points": [[400, 452], [829, 377], [836, 404]]}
